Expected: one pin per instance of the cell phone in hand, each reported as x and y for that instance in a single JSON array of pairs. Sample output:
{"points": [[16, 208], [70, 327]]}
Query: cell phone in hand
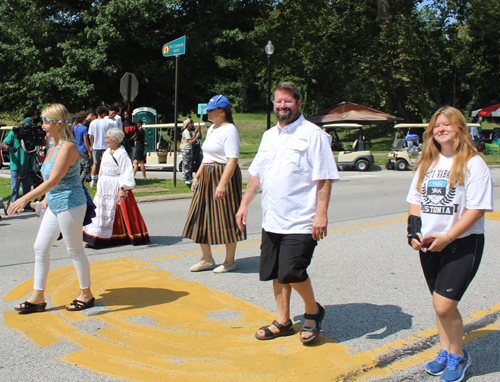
{"points": [[427, 241]]}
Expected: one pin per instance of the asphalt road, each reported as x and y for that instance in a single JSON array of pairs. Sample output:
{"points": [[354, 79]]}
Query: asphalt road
{"points": [[155, 320]]}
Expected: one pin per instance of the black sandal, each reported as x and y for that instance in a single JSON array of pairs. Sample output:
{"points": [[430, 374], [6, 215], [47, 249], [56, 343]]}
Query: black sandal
{"points": [[284, 330], [80, 305], [28, 307], [318, 318]]}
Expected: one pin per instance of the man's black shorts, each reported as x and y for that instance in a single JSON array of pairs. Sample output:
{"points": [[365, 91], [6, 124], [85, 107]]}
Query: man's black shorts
{"points": [[285, 257]]}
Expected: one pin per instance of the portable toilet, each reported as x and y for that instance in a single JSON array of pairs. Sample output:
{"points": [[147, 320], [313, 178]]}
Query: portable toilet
{"points": [[149, 117]]}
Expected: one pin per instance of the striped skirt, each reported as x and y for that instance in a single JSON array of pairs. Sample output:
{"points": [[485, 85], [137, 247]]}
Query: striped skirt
{"points": [[210, 221]]}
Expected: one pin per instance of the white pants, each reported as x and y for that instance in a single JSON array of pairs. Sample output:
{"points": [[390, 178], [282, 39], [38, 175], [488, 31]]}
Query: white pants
{"points": [[69, 223]]}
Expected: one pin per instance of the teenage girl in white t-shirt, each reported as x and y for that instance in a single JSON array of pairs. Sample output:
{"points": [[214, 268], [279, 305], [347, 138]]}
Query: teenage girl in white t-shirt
{"points": [[448, 197]]}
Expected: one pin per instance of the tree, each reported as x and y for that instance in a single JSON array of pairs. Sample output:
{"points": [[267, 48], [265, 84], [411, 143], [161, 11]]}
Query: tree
{"points": [[484, 52]]}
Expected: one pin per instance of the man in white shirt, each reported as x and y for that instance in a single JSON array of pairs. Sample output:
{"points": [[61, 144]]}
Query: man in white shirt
{"points": [[97, 135], [114, 118], [295, 169]]}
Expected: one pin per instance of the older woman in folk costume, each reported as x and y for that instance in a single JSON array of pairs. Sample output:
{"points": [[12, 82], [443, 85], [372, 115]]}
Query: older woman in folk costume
{"points": [[118, 220]]}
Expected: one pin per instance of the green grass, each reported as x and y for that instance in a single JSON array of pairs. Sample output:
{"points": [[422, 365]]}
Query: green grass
{"points": [[166, 184]]}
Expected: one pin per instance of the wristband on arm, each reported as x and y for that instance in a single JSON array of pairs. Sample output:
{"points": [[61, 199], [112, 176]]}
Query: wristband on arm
{"points": [[414, 227]]}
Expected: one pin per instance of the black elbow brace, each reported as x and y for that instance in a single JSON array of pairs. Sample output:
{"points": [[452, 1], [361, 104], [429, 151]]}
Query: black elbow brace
{"points": [[414, 227]]}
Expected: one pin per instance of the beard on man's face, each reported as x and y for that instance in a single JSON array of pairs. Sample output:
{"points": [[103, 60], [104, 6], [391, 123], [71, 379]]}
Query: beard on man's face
{"points": [[283, 113]]}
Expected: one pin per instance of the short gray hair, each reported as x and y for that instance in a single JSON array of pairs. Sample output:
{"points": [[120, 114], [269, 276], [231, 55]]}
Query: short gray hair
{"points": [[116, 133]]}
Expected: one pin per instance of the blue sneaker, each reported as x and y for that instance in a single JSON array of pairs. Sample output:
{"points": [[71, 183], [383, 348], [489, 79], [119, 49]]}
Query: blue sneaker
{"points": [[455, 370], [437, 367]]}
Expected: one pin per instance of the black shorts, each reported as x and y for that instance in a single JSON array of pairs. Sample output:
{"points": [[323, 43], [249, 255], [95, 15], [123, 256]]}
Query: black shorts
{"points": [[140, 155], [285, 257], [449, 272]]}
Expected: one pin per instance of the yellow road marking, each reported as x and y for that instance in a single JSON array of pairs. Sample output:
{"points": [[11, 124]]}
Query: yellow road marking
{"points": [[382, 222], [155, 327], [495, 215]]}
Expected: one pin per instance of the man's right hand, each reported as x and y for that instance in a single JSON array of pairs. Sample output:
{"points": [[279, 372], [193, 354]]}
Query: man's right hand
{"points": [[241, 217], [12, 149]]}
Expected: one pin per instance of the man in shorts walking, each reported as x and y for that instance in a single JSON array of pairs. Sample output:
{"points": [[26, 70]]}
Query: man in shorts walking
{"points": [[295, 169], [97, 136]]}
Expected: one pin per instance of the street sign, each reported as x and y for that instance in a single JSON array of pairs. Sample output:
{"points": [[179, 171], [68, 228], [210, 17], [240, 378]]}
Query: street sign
{"points": [[175, 48], [129, 87], [202, 111]]}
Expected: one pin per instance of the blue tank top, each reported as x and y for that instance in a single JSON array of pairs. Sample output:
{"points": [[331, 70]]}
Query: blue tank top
{"points": [[68, 193]]}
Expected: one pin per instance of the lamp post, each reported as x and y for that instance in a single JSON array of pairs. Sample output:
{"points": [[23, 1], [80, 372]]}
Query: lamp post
{"points": [[269, 51]]}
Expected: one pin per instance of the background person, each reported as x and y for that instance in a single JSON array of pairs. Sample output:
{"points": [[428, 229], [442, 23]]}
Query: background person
{"points": [[91, 115], [140, 155], [97, 137], [130, 129], [65, 204], [197, 153], [188, 138], [113, 117], [29, 116], [295, 169], [118, 220], [450, 192], [217, 190], [83, 144], [22, 164]]}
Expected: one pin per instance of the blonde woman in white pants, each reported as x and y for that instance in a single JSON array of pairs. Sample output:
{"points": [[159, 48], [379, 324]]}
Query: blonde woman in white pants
{"points": [[65, 204]]}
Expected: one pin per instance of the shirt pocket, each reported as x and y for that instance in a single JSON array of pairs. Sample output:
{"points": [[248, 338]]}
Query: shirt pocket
{"points": [[295, 155]]}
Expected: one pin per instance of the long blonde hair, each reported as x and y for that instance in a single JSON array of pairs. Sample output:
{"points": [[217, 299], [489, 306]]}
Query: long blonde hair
{"points": [[61, 115], [463, 147]]}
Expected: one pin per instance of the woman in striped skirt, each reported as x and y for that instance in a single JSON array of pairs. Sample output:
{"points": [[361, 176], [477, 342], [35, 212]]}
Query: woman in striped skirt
{"points": [[217, 190]]}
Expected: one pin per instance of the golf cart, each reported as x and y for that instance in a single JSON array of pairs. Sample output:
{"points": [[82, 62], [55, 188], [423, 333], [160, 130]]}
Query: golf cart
{"points": [[358, 156], [406, 148]]}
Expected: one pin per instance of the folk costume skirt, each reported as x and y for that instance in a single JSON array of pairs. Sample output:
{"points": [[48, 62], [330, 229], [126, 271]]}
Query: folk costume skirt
{"points": [[210, 221], [128, 227]]}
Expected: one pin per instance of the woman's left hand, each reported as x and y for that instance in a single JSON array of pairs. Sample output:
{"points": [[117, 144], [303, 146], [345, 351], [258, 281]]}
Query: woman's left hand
{"points": [[122, 195], [440, 242], [17, 206], [220, 192]]}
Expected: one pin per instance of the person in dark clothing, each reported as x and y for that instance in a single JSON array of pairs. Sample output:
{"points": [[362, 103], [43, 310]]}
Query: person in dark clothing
{"points": [[140, 156], [91, 115], [130, 130]]}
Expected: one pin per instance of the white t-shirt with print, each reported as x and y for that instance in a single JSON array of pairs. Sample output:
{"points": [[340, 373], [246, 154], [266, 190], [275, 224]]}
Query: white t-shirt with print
{"points": [[441, 206]]}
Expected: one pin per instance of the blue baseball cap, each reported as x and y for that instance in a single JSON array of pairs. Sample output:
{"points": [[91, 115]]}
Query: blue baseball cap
{"points": [[217, 101]]}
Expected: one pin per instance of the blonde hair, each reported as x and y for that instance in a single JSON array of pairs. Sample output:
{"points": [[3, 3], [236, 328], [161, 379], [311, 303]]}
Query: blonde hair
{"points": [[463, 147], [61, 115]]}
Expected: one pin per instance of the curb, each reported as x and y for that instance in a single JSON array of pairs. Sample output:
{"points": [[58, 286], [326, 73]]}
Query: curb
{"points": [[159, 198]]}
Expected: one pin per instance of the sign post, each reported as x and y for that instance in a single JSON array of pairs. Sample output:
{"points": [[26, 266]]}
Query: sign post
{"points": [[129, 88], [175, 48], [201, 111]]}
